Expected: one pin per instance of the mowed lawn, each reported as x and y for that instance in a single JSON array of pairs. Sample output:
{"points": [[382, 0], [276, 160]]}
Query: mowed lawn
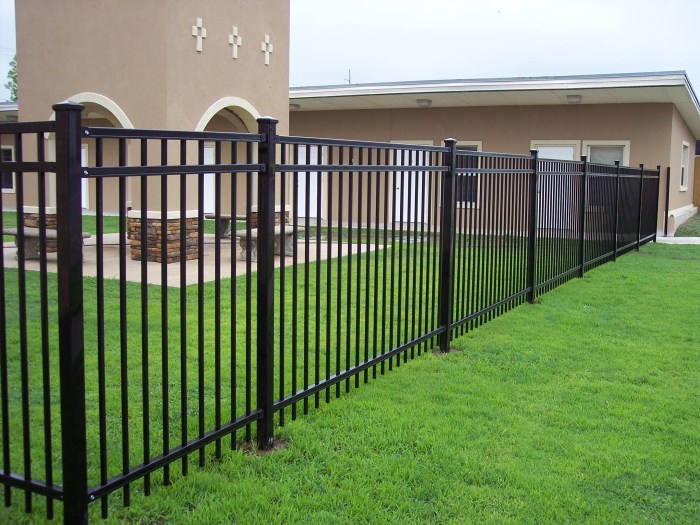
{"points": [[581, 408]]}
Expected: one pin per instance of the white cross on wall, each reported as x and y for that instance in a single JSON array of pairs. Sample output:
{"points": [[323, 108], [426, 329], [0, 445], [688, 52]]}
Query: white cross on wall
{"points": [[235, 41], [266, 48], [200, 32]]}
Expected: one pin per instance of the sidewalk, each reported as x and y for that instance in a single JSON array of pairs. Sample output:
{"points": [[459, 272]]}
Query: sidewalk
{"points": [[678, 240]]}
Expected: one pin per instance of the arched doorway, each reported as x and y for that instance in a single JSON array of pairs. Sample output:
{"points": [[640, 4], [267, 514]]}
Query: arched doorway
{"points": [[100, 111], [229, 114]]}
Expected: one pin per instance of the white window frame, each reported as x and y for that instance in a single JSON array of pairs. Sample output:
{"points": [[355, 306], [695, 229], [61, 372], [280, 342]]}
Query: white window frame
{"points": [[479, 147], [14, 175], [685, 165], [534, 144], [624, 161]]}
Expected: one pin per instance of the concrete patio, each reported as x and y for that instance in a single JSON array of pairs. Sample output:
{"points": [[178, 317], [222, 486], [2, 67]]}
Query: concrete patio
{"points": [[230, 261]]}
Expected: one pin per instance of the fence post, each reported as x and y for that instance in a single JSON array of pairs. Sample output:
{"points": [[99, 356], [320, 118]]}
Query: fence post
{"points": [[617, 207], [668, 191], [267, 126], [639, 209], [582, 218], [532, 235], [445, 286], [658, 190], [70, 311]]}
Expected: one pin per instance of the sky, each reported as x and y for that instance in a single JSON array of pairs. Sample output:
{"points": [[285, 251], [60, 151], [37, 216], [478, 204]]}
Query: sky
{"points": [[399, 40]]}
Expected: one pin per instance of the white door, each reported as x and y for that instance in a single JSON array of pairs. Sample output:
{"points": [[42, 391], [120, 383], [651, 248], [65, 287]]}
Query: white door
{"points": [[308, 155], [410, 186], [84, 182], [555, 206], [208, 180]]}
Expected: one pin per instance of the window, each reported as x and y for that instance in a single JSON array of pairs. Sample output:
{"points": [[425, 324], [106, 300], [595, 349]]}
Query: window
{"points": [[8, 178], [607, 151], [685, 162], [467, 184], [557, 149]]}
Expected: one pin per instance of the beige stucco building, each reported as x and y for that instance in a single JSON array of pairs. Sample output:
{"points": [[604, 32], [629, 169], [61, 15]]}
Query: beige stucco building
{"points": [[215, 65], [649, 118], [219, 65]]}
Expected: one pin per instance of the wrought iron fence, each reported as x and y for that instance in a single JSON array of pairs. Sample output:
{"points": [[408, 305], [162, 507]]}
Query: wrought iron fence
{"points": [[162, 337]]}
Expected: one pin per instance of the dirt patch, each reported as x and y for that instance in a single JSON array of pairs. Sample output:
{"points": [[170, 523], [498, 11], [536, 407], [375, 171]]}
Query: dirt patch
{"points": [[249, 448], [438, 352]]}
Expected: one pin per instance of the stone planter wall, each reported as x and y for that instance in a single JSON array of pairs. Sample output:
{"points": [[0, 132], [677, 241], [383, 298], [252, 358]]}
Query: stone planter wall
{"points": [[278, 218], [155, 238], [31, 220]]}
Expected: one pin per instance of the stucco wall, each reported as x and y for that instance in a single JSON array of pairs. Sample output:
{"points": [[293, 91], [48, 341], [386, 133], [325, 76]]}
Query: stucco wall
{"points": [[680, 133], [696, 192], [507, 129], [651, 129], [142, 55]]}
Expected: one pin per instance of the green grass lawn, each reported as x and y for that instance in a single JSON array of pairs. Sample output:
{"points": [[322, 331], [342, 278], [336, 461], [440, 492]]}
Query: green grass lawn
{"points": [[582, 408], [690, 229]]}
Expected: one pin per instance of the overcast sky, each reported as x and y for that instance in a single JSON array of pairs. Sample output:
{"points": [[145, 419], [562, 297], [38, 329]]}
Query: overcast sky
{"points": [[393, 40]]}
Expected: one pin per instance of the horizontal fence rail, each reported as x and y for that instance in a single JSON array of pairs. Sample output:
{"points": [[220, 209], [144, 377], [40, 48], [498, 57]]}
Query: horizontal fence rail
{"points": [[169, 294]]}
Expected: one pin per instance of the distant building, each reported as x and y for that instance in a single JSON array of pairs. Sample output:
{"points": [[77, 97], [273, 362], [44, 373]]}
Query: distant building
{"points": [[650, 118]]}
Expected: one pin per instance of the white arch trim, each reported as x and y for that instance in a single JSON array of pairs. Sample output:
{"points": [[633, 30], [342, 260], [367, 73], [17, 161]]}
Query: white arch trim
{"points": [[249, 115], [101, 100], [94, 98]]}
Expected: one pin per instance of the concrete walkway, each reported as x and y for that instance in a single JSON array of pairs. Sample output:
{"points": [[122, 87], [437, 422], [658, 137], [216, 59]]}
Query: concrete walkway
{"points": [[230, 261], [678, 240]]}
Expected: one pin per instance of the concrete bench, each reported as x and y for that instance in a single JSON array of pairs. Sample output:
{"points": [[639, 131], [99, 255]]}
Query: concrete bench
{"points": [[252, 242], [32, 243], [224, 223]]}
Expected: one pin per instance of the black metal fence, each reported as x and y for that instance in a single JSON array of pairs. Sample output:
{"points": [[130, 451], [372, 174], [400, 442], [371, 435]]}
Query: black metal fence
{"points": [[113, 371]]}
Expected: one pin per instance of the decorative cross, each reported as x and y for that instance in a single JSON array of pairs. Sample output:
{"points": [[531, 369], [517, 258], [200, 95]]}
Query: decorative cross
{"points": [[266, 48], [200, 32], [235, 42]]}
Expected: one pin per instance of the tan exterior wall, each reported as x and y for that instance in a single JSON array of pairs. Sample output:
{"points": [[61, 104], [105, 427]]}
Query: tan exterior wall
{"points": [[507, 129], [680, 133], [681, 206], [696, 192], [651, 129], [143, 58], [66, 47]]}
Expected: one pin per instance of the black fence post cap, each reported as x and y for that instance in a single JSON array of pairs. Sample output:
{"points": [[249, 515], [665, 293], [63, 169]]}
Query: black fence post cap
{"points": [[68, 105], [271, 120]]}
